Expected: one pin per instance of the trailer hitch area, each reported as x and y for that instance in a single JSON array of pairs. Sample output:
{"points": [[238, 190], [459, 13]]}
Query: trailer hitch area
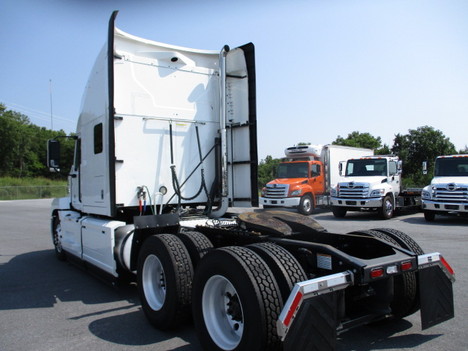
{"points": [[314, 288], [278, 223]]}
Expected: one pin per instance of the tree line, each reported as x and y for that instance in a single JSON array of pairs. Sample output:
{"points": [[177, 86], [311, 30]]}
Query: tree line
{"points": [[23, 147], [23, 150], [419, 145]]}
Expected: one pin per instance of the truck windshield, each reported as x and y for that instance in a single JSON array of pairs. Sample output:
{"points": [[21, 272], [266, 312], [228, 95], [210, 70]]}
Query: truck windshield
{"points": [[453, 167], [293, 170], [366, 167]]}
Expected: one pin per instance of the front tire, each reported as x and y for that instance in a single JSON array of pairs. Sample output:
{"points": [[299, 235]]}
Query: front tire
{"points": [[386, 212], [236, 301], [339, 212], [306, 205], [56, 233], [165, 274], [429, 216]]}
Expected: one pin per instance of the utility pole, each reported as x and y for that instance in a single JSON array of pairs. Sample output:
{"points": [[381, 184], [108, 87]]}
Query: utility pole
{"points": [[51, 115]]}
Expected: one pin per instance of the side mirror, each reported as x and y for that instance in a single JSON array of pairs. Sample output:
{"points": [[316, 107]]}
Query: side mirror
{"points": [[424, 167], [400, 166], [340, 167], [53, 155]]}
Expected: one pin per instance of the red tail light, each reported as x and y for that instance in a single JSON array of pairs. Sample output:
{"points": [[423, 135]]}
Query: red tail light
{"points": [[376, 273], [406, 266]]}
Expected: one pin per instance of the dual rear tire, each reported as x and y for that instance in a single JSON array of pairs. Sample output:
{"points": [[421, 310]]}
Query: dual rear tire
{"points": [[237, 294]]}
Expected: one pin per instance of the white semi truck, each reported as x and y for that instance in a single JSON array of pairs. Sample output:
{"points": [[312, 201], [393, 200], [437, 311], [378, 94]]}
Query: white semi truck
{"points": [[165, 143], [448, 191], [373, 183]]}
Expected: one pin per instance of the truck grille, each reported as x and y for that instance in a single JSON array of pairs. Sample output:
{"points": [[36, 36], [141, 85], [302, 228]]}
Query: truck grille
{"points": [[353, 190], [277, 191], [451, 193]]}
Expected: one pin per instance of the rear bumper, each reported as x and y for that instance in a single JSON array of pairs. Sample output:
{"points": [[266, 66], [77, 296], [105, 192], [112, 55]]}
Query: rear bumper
{"points": [[298, 324]]}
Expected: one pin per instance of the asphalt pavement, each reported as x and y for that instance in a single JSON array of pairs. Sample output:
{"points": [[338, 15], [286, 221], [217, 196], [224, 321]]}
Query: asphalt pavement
{"points": [[46, 304]]}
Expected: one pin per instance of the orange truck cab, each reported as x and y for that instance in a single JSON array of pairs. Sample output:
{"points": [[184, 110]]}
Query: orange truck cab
{"points": [[304, 178]]}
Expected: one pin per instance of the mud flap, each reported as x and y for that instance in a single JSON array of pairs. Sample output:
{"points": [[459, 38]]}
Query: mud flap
{"points": [[436, 296], [315, 325]]}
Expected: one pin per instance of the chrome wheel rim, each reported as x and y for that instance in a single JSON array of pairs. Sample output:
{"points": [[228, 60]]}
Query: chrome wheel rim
{"points": [[154, 282], [307, 205], [222, 312]]}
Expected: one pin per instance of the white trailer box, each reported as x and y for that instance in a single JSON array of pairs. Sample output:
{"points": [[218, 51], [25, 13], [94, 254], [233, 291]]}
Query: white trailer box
{"points": [[333, 155]]}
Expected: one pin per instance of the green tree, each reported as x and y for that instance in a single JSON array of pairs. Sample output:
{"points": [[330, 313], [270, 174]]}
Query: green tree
{"points": [[15, 146], [267, 170], [421, 144], [364, 140], [23, 146]]}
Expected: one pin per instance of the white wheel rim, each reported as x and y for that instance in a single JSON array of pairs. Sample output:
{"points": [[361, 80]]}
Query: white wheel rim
{"points": [[154, 282], [307, 205], [388, 207], [222, 312]]}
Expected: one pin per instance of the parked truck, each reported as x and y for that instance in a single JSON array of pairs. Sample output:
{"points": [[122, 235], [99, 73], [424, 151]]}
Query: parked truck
{"points": [[373, 184], [448, 191], [165, 144], [306, 175]]}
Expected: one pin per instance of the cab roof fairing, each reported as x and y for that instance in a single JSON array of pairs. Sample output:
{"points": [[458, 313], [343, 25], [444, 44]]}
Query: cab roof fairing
{"points": [[96, 91]]}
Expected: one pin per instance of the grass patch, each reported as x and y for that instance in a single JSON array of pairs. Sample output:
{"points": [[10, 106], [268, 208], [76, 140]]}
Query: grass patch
{"points": [[31, 188]]}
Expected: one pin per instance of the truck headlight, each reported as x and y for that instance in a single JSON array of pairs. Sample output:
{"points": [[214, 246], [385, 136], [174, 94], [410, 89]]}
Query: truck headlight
{"points": [[296, 192], [333, 191], [377, 193], [425, 194]]}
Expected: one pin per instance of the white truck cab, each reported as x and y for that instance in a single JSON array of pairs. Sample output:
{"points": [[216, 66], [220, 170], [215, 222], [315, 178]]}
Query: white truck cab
{"points": [[163, 130], [448, 191], [372, 183]]}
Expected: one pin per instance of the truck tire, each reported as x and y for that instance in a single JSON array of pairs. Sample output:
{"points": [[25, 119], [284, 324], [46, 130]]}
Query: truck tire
{"points": [[197, 245], [405, 294], [339, 212], [283, 265], [236, 301], [306, 205], [403, 240], [56, 229], [165, 274], [429, 216], [386, 212]]}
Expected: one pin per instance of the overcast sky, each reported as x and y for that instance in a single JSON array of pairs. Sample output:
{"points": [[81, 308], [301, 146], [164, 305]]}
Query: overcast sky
{"points": [[324, 67]]}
